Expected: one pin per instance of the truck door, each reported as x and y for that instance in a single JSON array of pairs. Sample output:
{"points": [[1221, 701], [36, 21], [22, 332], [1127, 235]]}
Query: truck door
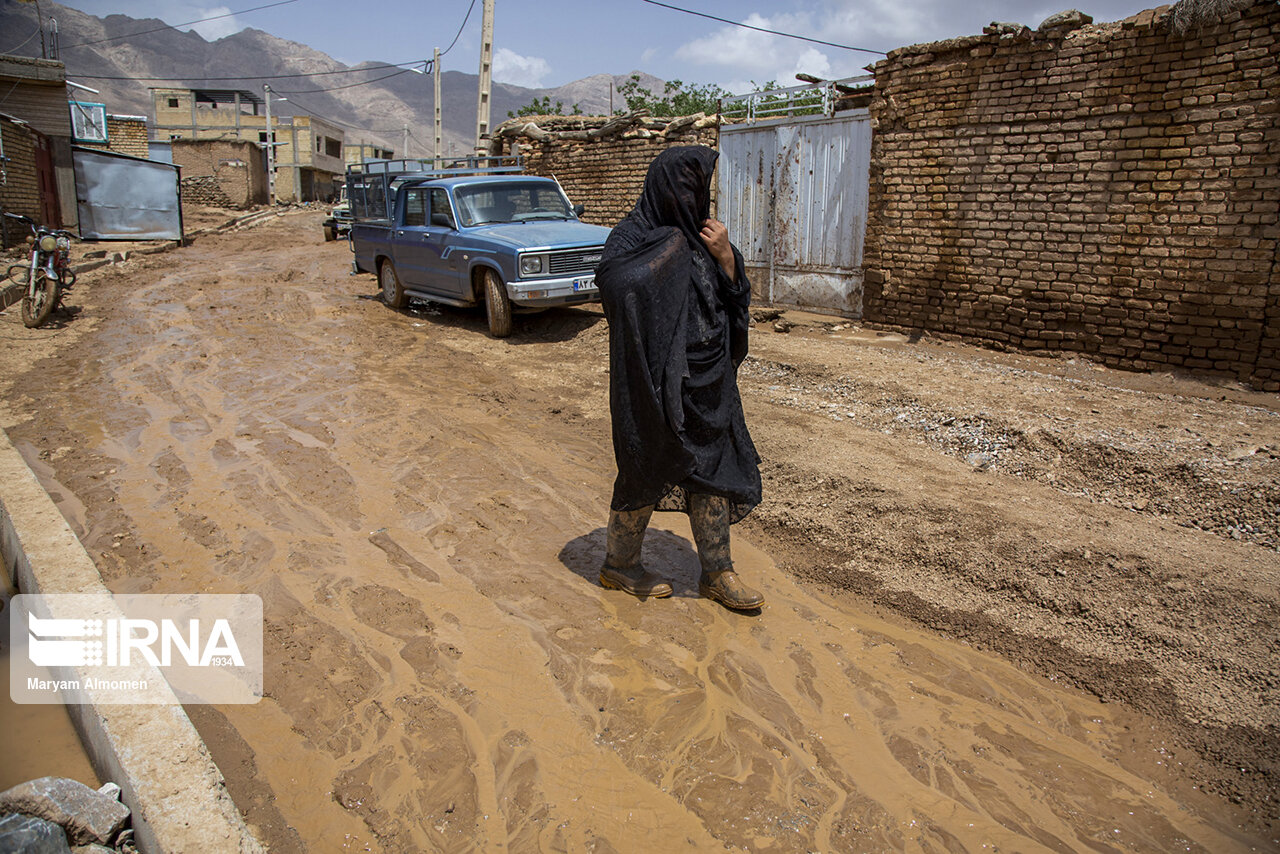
{"points": [[443, 240], [412, 253], [423, 257]]}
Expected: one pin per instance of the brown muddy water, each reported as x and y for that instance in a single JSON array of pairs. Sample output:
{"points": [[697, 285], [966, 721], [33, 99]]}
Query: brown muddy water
{"points": [[39, 740], [421, 510]]}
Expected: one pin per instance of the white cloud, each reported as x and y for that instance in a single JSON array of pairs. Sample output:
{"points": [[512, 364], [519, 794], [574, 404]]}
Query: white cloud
{"points": [[743, 56], [870, 23], [812, 61], [216, 29], [511, 67]]}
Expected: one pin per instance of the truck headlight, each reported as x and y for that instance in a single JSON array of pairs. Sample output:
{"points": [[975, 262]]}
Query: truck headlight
{"points": [[532, 265]]}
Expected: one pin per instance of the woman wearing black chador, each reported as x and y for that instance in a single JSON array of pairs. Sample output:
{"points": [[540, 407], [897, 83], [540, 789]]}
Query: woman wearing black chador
{"points": [[676, 296]]}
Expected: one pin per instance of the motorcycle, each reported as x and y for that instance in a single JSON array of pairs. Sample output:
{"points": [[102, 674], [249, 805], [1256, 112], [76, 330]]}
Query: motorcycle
{"points": [[46, 275]]}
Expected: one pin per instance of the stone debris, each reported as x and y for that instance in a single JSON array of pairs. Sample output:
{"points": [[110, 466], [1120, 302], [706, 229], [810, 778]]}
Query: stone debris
{"points": [[86, 815], [1008, 30], [1147, 469], [1064, 22], [25, 834]]}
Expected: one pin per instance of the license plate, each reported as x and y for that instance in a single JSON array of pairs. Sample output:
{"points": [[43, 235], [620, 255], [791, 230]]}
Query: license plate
{"points": [[585, 284]]}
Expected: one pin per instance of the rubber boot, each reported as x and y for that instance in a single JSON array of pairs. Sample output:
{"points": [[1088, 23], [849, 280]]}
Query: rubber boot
{"points": [[709, 518], [622, 569]]}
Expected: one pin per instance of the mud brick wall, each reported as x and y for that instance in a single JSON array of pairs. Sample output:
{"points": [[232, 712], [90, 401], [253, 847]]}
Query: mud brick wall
{"points": [[225, 173], [1111, 190], [204, 190], [19, 192], [606, 172]]}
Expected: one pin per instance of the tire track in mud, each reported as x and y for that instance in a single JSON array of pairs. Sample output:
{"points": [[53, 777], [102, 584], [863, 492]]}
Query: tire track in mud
{"points": [[444, 673]]}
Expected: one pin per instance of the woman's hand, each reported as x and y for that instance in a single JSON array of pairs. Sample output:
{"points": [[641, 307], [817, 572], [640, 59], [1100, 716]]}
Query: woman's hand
{"points": [[716, 236]]}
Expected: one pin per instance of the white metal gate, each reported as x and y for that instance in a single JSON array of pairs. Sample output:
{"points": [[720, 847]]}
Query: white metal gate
{"points": [[793, 194]]}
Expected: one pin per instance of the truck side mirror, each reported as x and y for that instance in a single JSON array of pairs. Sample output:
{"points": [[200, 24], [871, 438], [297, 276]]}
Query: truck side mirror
{"points": [[578, 210], [441, 219]]}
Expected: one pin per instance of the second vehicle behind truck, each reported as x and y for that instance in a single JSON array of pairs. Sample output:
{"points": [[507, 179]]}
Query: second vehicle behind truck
{"points": [[472, 232]]}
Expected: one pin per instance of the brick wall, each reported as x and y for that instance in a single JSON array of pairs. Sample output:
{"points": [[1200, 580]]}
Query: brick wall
{"points": [[1112, 190], [19, 192], [125, 135], [600, 161], [128, 135], [225, 173]]}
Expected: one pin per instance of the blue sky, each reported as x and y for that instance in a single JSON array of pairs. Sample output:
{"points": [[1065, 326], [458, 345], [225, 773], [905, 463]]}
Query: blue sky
{"points": [[546, 43]]}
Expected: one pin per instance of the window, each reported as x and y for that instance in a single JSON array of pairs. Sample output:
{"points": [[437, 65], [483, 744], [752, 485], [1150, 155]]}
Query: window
{"points": [[440, 205], [319, 142], [511, 203], [173, 102], [415, 207], [332, 147], [88, 122]]}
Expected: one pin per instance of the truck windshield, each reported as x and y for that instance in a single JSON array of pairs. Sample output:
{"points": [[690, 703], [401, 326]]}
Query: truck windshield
{"points": [[514, 202]]}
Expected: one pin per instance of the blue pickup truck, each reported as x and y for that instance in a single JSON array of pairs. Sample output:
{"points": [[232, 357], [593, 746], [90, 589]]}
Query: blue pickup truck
{"points": [[471, 231]]}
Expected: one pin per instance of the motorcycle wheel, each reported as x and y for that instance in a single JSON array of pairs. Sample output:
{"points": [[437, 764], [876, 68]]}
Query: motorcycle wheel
{"points": [[39, 301]]}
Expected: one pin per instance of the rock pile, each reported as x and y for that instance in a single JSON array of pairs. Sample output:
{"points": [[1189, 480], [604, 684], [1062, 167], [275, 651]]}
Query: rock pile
{"points": [[54, 815]]}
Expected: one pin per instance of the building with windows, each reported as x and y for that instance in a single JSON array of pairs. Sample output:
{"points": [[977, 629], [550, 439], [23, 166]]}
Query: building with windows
{"points": [[309, 157], [359, 152]]}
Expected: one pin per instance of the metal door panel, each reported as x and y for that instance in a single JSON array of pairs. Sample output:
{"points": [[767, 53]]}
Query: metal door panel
{"points": [[126, 198], [744, 201], [794, 198]]}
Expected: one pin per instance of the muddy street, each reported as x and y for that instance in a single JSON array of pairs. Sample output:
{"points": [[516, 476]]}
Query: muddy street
{"points": [[1014, 604]]}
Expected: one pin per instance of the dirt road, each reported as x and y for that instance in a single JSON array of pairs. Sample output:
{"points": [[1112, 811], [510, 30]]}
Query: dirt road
{"points": [[963, 552]]}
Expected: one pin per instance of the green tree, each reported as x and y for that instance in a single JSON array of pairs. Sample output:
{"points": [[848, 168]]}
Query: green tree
{"points": [[676, 100], [543, 107]]}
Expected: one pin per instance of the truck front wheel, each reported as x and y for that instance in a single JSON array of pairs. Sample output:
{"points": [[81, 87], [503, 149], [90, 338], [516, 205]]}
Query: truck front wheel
{"points": [[497, 305], [392, 290]]}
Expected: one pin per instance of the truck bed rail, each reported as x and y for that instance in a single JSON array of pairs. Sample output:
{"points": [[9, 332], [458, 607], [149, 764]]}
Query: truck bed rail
{"points": [[369, 184]]}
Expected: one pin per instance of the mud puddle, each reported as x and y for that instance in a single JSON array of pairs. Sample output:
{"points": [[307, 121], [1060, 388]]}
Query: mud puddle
{"points": [[420, 509]]}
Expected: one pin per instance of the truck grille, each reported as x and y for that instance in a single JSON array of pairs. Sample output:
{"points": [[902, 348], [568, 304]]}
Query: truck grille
{"points": [[569, 261]]}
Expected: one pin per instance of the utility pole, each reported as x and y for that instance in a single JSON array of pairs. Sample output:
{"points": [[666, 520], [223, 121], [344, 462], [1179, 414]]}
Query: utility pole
{"points": [[44, 48], [404, 152], [436, 150], [271, 150], [486, 82]]}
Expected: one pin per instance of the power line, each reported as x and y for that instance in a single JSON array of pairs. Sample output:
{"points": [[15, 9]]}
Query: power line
{"points": [[175, 26], [24, 41], [460, 29], [347, 86], [311, 112], [762, 29], [264, 76]]}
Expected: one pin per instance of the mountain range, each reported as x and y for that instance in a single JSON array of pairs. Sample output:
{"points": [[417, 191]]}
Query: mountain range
{"points": [[122, 57]]}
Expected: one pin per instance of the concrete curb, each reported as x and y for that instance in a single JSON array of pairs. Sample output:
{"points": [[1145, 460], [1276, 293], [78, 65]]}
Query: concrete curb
{"points": [[168, 779]]}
